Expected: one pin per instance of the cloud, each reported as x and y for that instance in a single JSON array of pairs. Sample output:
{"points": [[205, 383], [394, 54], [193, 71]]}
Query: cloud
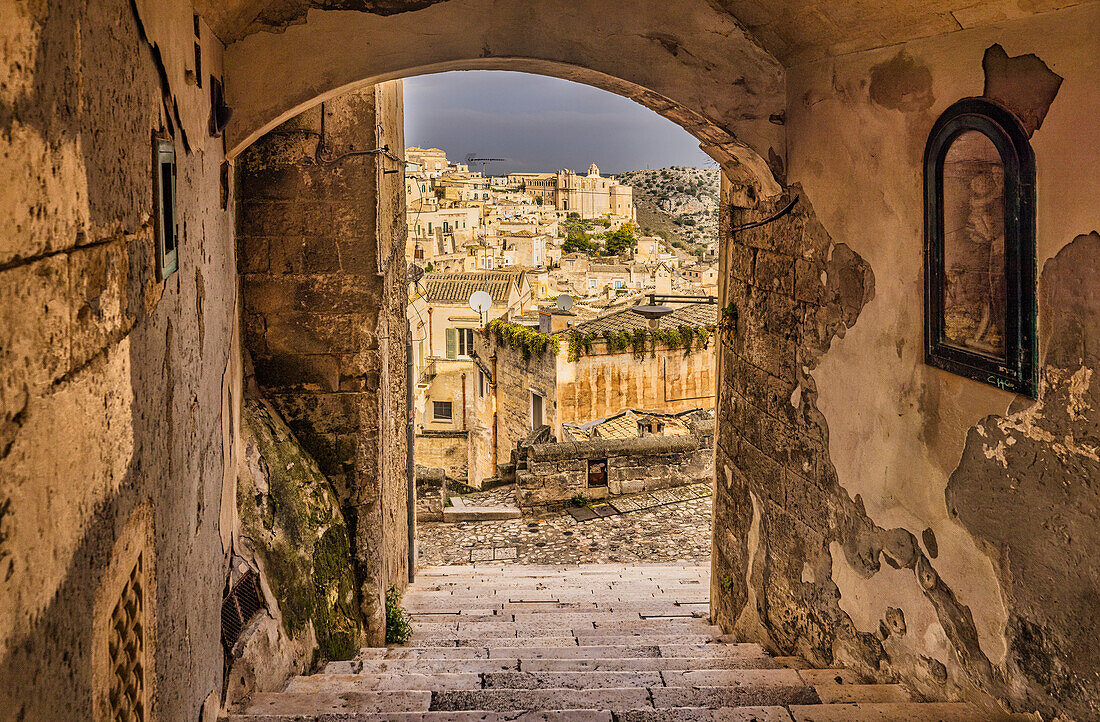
{"points": [[540, 124]]}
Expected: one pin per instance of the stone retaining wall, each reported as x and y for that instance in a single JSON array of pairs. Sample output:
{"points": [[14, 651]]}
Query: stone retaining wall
{"points": [[556, 473]]}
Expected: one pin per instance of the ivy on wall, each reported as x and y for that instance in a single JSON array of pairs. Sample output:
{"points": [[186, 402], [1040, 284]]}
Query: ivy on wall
{"points": [[529, 342], [641, 340]]}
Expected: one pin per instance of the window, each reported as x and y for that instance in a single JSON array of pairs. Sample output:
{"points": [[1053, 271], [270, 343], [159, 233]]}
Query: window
{"points": [[465, 341], [480, 384], [979, 174], [167, 230], [442, 411], [429, 226], [597, 473], [592, 283], [536, 411], [618, 283]]}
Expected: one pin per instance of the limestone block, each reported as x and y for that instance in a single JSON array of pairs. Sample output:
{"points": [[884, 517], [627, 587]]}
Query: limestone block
{"points": [[35, 323]]}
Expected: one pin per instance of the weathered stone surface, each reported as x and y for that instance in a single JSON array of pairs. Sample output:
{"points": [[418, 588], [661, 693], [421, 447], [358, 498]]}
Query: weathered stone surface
{"points": [[292, 527], [325, 330]]}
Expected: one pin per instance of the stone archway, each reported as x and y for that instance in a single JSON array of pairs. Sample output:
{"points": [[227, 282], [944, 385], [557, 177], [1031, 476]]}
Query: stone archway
{"points": [[702, 70]]}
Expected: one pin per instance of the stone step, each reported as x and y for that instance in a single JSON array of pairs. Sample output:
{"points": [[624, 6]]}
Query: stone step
{"points": [[642, 664], [566, 715], [580, 640], [571, 680], [901, 712], [875, 693], [576, 627], [501, 700], [386, 681], [702, 714], [453, 514], [623, 698], [423, 666], [365, 702]]}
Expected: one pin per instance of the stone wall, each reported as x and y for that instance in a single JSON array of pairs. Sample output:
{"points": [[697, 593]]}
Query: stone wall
{"points": [[292, 531], [323, 287], [116, 389], [515, 378], [873, 511], [558, 472], [601, 384], [446, 450]]}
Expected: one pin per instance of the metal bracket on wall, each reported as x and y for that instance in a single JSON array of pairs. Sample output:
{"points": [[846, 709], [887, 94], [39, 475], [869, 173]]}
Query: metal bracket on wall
{"points": [[770, 219]]}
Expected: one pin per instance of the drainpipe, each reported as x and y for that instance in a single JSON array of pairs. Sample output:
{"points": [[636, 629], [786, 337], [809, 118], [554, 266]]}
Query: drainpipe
{"points": [[463, 402], [431, 349], [410, 463]]}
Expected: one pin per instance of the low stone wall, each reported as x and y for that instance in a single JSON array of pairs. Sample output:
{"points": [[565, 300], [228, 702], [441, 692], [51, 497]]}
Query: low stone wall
{"points": [[447, 450], [556, 473]]}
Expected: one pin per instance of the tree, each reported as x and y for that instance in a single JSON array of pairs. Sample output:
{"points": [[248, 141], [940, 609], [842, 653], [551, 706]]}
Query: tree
{"points": [[538, 200], [577, 241], [621, 240]]}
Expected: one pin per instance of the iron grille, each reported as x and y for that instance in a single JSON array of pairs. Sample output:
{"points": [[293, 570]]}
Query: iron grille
{"points": [[242, 603], [126, 647]]}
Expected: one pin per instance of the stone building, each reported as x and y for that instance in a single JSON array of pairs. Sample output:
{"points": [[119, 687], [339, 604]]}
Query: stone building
{"points": [[589, 196], [891, 503], [618, 363]]}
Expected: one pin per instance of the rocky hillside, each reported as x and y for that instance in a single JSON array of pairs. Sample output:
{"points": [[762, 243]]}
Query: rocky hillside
{"points": [[680, 201]]}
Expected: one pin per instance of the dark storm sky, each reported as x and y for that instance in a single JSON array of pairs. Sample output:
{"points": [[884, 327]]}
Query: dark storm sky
{"points": [[540, 124]]}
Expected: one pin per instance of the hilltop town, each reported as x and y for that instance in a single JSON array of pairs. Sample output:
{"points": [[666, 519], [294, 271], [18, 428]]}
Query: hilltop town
{"points": [[557, 350]]}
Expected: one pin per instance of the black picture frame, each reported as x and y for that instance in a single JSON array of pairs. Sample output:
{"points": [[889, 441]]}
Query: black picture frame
{"points": [[1016, 372]]}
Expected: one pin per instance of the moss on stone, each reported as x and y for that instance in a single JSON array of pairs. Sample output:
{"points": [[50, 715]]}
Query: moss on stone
{"points": [[290, 515]]}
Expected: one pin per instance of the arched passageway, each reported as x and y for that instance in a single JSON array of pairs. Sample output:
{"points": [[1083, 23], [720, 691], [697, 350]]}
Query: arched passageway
{"points": [[872, 510]]}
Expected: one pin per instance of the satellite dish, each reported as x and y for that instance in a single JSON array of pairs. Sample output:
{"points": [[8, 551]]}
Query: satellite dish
{"points": [[565, 302], [480, 301], [415, 273]]}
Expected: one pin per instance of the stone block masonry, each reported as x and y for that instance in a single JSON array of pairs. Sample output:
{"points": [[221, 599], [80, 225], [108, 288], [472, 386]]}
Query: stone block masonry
{"points": [[558, 472], [323, 285]]}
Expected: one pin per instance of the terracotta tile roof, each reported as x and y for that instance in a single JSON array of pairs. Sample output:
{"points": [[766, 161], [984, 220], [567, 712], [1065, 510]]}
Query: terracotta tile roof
{"points": [[696, 314], [458, 287]]}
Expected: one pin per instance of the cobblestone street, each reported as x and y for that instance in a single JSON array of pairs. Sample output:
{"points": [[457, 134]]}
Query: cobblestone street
{"points": [[673, 525]]}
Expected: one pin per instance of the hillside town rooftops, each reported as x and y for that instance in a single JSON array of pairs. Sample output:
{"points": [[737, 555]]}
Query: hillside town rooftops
{"points": [[696, 314], [458, 287]]}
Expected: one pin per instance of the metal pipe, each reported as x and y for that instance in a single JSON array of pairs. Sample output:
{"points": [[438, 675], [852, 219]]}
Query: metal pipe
{"points": [[463, 402], [410, 461]]}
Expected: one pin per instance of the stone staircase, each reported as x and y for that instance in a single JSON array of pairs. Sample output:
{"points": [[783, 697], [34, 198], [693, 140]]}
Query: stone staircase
{"points": [[597, 642]]}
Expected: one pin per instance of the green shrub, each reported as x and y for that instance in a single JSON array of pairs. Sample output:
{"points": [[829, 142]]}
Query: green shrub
{"points": [[579, 500], [398, 621]]}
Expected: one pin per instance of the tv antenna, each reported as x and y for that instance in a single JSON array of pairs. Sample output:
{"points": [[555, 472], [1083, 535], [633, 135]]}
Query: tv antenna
{"points": [[481, 302], [471, 159]]}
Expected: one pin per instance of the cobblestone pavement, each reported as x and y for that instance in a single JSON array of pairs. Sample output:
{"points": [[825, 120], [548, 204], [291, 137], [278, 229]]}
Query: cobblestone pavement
{"points": [[675, 531]]}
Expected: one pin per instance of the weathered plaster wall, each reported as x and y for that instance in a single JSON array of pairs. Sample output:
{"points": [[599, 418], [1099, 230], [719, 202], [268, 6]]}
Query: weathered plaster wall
{"points": [[446, 450], [115, 431], [874, 511], [601, 384], [690, 61], [323, 287]]}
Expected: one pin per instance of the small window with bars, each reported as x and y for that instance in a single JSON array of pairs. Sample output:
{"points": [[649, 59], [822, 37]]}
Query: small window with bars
{"points": [[243, 601]]}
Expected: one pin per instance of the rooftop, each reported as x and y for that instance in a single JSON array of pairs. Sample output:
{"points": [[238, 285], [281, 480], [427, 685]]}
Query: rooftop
{"points": [[695, 314], [458, 287]]}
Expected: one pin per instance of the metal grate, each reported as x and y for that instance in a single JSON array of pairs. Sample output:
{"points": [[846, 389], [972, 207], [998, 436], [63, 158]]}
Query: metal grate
{"points": [[242, 603], [126, 648]]}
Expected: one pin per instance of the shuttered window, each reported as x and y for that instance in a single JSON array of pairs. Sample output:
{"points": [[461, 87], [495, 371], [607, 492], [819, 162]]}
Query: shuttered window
{"points": [[452, 343]]}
